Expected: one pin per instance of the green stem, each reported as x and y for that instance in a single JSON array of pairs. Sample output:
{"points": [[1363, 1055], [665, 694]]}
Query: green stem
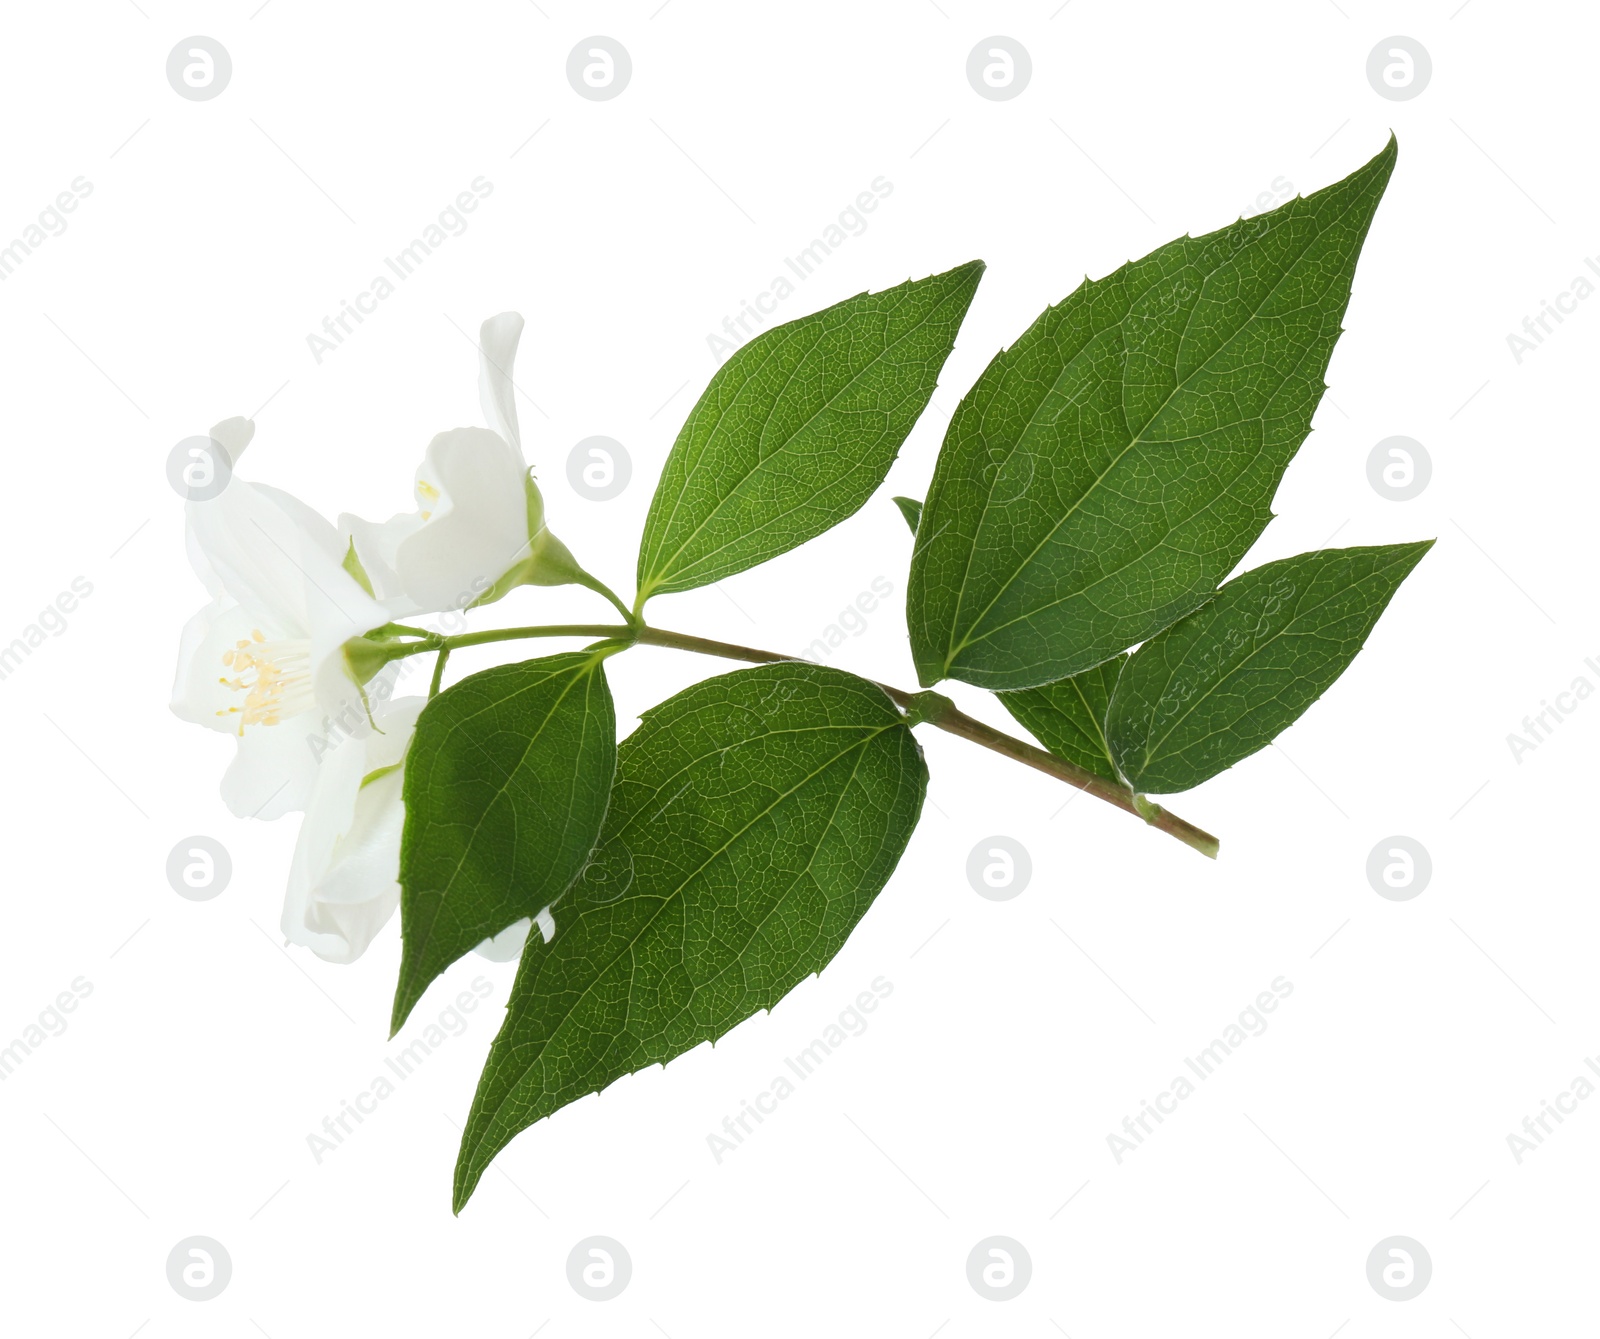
{"points": [[942, 713], [438, 672], [922, 708], [455, 643], [600, 588]]}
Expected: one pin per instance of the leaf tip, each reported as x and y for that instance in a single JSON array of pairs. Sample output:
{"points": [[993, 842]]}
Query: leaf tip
{"points": [[961, 282], [1382, 163], [466, 1180], [400, 1010]]}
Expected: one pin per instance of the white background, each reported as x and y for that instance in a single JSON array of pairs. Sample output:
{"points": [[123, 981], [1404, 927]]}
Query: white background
{"points": [[1019, 1034]]}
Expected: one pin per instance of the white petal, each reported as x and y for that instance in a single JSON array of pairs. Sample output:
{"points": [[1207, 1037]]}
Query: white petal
{"points": [[274, 765], [274, 768], [277, 560], [497, 346], [507, 945], [198, 695], [281, 562], [343, 881], [359, 891], [201, 563], [311, 524], [233, 435], [377, 545], [477, 528]]}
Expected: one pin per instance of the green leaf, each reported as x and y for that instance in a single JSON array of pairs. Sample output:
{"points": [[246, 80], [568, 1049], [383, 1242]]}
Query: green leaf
{"points": [[911, 509], [506, 786], [1069, 716], [1114, 464], [1223, 682], [797, 429], [755, 817]]}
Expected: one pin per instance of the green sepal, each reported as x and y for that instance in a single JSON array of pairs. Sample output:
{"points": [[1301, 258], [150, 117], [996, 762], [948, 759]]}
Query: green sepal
{"points": [[352, 565], [547, 561]]}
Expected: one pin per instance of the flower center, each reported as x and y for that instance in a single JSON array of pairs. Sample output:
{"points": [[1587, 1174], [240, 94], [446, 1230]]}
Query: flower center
{"points": [[274, 677]]}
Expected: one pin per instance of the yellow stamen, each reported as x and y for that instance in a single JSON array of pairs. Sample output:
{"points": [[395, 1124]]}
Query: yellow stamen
{"points": [[274, 676]]}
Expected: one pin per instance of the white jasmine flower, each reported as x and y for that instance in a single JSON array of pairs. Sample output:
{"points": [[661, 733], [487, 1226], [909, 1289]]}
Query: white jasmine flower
{"points": [[478, 529], [265, 660]]}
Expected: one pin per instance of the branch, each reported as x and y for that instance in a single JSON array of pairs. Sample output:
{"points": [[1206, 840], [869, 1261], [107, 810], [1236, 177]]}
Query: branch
{"points": [[939, 711], [931, 708]]}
